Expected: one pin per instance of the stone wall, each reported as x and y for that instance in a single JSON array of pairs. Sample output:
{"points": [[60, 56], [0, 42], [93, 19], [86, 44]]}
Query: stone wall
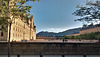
{"points": [[51, 48], [91, 30], [41, 37]]}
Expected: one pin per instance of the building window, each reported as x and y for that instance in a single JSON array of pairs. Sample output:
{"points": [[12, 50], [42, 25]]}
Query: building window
{"points": [[1, 33], [16, 29], [16, 35], [13, 28], [16, 23], [13, 34]]}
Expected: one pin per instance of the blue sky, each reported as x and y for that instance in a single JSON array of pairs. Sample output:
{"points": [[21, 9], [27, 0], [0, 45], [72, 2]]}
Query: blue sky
{"points": [[55, 15]]}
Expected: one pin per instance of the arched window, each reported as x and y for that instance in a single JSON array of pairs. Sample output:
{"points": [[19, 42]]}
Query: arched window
{"points": [[1, 33]]}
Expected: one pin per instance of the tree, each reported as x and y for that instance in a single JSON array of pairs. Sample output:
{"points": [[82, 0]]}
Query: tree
{"points": [[90, 13], [16, 9], [9, 11]]}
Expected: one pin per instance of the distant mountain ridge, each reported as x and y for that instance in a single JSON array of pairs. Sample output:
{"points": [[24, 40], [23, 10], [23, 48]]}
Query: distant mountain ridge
{"points": [[67, 32]]}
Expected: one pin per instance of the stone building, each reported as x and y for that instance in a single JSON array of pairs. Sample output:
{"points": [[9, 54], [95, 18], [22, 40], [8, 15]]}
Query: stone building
{"points": [[20, 30], [73, 34], [44, 37], [90, 30]]}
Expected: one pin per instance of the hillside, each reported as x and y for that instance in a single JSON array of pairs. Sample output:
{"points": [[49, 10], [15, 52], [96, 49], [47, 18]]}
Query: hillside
{"points": [[67, 32]]}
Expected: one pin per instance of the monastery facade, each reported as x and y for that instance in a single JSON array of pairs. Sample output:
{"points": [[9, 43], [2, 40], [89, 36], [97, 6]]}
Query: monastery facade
{"points": [[20, 30]]}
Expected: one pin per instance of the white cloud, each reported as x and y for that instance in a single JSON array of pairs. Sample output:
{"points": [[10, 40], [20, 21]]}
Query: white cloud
{"points": [[56, 30]]}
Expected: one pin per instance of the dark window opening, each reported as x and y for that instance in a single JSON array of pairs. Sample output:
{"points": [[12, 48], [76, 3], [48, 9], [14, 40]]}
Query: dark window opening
{"points": [[1, 33]]}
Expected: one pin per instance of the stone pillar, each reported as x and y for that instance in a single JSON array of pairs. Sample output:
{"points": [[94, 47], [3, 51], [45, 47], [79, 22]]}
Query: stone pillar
{"points": [[99, 39], [63, 55], [84, 55], [41, 55], [18, 55]]}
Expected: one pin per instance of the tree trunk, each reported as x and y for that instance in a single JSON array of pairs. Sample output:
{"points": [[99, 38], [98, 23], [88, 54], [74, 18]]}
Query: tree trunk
{"points": [[9, 40]]}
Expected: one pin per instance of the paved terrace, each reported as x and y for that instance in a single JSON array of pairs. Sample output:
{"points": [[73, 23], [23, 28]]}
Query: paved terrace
{"points": [[68, 41]]}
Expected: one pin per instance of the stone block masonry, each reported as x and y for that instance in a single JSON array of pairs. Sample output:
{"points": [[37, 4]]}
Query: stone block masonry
{"points": [[47, 48]]}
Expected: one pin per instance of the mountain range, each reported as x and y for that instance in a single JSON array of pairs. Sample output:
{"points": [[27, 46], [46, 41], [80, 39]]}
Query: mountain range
{"points": [[67, 32]]}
